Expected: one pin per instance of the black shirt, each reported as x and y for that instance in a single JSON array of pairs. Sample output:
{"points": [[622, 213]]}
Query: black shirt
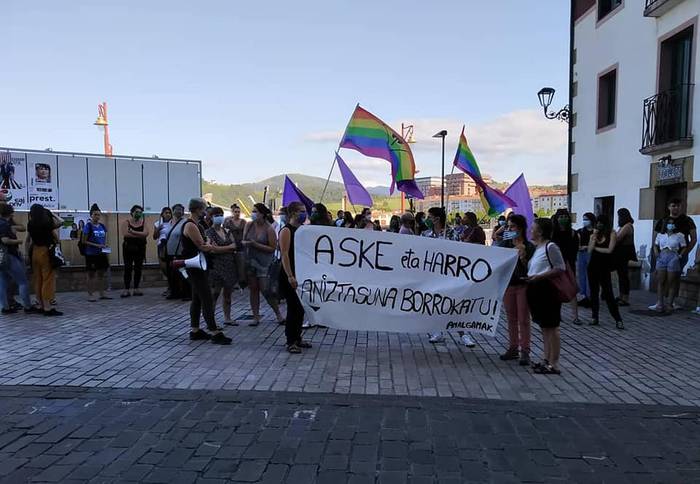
{"points": [[567, 241], [683, 223], [520, 270], [42, 235], [584, 236]]}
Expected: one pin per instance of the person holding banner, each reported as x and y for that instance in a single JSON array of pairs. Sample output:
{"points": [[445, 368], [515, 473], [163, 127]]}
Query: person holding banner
{"points": [[408, 224], [542, 295], [515, 298], [437, 229], [296, 216]]}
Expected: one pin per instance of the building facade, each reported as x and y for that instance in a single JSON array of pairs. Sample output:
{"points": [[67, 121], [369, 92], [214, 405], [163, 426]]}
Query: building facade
{"points": [[549, 202], [634, 64]]}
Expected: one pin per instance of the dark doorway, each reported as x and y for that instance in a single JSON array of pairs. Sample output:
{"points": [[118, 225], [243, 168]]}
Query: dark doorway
{"points": [[664, 194], [605, 206]]}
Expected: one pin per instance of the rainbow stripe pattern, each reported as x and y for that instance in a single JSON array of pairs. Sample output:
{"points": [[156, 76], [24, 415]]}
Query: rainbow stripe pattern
{"points": [[494, 201], [372, 137]]}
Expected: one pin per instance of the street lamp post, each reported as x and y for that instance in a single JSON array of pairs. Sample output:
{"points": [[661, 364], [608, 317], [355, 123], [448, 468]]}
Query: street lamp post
{"points": [[442, 134], [546, 95], [103, 125]]}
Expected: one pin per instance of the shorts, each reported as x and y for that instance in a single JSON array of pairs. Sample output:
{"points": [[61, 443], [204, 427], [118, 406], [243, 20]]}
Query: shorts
{"points": [[668, 261], [255, 269], [98, 262]]}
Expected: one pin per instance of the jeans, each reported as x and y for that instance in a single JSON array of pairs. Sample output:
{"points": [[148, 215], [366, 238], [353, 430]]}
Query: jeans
{"points": [[16, 272], [133, 261], [202, 302], [599, 279], [518, 312], [582, 272]]}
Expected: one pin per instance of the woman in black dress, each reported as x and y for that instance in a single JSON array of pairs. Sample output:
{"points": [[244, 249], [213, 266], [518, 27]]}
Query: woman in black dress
{"points": [[601, 247]]}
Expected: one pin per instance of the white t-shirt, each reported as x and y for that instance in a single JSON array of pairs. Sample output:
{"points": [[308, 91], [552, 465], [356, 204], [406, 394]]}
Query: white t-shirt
{"points": [[165, 230], [672, 241], [539, 264]]}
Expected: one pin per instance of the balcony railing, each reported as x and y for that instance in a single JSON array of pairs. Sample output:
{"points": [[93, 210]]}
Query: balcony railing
{"points": [[666, 121], [656, 8]]}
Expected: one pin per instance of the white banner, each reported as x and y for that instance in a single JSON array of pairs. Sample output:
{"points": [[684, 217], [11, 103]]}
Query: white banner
{"points": [[13, 179], [43, 180], [378, 281]]}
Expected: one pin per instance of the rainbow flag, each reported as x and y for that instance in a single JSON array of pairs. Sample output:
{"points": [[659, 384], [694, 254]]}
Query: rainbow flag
{"points": [[372, 137], [494, 201]]}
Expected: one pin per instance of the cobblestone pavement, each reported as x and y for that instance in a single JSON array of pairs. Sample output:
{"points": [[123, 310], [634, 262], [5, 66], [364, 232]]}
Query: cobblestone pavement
{"points": [[142, 343], [72, 434]]}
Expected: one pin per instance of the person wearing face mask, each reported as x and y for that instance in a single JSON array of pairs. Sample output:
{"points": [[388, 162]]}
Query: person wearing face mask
{"points": [[515, 298], [133, 249], [684, 225], [567, 240], [161, 228], [667, 247], [236, 225], [437, 229], [421, 226], [193, 244], [624, 253], [472, 232], [601, 247], [339, 218], [296, 213], [584, 237], [177, 285], [260, 243], [497, 235], [320, 215], [222, 273]]}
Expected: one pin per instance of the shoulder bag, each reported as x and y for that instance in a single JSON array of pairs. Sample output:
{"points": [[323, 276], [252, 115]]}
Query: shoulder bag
{"points": [[564, 282]]}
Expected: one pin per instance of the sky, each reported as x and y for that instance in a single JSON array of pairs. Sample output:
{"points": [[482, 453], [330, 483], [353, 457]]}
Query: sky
{"points": [[256, 89]]}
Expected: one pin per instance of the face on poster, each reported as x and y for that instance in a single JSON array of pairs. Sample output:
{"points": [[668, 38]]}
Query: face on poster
{"points": [[41, 171], [13, 179]]}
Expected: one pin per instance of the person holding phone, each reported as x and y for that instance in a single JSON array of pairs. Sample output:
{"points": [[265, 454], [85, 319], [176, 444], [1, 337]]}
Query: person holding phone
{"points": [[96, 250]]}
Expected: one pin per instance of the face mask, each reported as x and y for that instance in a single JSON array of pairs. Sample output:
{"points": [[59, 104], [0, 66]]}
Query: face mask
{"points": [[600, 227], [138, 216], [510, 234], [670, 227], [587, 223], [339, 222], [283, 219], [564, 222], [254, 216], [218, 220], [368, 217], [429, 223], [501, 223], [301, 218]]}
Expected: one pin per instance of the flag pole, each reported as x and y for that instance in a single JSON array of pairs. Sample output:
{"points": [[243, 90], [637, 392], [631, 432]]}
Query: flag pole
{"points": [[447, 202], [323, 194]]}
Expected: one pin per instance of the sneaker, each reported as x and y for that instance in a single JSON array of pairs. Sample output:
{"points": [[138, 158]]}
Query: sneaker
{"points": [[594, 322], [53, 312], [677, 307], [199, 335], [437, 337], [9, 310], [524, 358], [467, 341], [294, 349], [511, 354], [221, 339], [307, 325], [656, 307], [697, 310], [33, 310]]}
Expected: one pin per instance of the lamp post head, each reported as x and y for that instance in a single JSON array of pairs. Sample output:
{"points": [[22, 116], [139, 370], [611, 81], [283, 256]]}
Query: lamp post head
{"points": [[545, 96], [101, 121], [440, 134]]}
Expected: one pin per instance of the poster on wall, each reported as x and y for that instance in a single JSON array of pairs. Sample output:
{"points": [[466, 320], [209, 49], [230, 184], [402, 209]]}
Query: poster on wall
{"points": [[13, 179], [73, 225], [43, 180]]}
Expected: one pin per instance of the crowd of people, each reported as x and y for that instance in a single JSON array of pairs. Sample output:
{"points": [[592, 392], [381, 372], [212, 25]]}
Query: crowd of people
{"points": [[258, 255]]}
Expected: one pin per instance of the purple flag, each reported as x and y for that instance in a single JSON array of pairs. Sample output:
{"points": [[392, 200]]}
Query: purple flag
{"points": [[520, 194], [293, 194], [357, 194]]}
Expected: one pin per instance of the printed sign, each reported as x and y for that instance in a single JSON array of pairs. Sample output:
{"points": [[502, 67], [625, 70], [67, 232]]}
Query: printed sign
{"points": [[379, 281], [43, 183], [13, 179]]}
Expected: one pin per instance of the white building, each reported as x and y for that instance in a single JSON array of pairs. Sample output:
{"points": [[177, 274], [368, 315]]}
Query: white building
{"points": [[634, 64], [426, 183], [550, 202], [464, 204]]}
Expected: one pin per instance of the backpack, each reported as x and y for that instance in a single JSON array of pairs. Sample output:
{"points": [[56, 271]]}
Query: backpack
{"points": [[173, 243], [81, 241]]}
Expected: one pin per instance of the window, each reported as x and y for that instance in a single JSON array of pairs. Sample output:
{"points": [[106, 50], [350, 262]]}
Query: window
{"points": [[605, 7], [607, 94]]}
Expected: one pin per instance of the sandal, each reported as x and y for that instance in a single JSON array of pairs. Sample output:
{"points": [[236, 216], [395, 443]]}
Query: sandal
{"points": [[577, 322], [541, 364], [231, 323], [304, 344], [546, 370], [294, 349]]}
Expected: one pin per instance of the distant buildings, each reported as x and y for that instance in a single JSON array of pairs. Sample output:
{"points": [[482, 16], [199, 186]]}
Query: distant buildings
{"points": [[549, 202]]}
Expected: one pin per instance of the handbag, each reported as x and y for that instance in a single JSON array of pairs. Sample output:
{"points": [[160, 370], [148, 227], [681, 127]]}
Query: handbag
{"points": [[564, 282], [56, 256]]}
